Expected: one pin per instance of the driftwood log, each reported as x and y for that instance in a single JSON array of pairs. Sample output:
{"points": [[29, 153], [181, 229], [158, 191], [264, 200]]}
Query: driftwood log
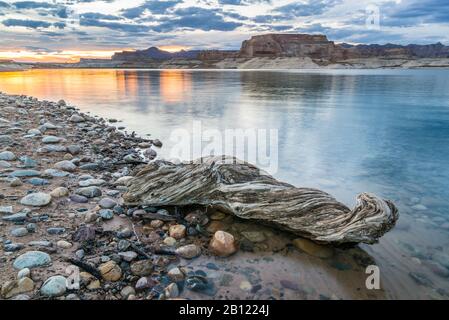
{"points": [[247, 192]]}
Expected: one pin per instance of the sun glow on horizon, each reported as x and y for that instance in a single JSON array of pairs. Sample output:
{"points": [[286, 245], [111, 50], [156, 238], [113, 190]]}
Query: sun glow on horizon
{"points": [[173, 48], [64, 56]]}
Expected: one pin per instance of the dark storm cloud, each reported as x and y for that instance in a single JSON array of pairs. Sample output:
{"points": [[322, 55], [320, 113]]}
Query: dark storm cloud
{"points": [[197, 18], [156, 7]]}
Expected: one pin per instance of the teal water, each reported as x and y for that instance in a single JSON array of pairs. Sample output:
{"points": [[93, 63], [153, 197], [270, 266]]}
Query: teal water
{"points": [[343, 131]]}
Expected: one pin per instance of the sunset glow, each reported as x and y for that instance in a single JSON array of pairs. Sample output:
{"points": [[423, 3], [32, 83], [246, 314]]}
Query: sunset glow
{"points": [[70, 56]]}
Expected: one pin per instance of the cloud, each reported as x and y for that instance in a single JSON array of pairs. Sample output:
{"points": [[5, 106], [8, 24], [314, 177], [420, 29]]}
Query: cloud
{"points": [[33, 24], [412, 12], [117, 26], [197, 18], [99, 16], [310, 8], [32, 5], [156, 7], [242, 2], [4, 5]]}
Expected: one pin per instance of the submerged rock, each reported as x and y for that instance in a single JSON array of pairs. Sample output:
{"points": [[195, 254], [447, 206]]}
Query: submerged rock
{"points": [[313, 249], [236, 187], [223, 244]]}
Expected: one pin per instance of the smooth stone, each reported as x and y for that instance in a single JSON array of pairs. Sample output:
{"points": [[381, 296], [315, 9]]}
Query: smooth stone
{"points": [[110, 271], [19, 232], [157, 143], [7, 156], [6, 210], [89, 166], [89, 192], [34, 132], [78, 199], [56, 173], [12, 247], [107, 203], [74, 149], [177, 231], [31, 227], [24, 273], [76, 119], [41, 243], [32, 259], [142, 268], [63, 244], [223, 244], [171, 291], [5, 164], [18, 217], [16, 287], [54, 286], [28, 162], [52, 148], [15, 182], [313, 249], [91, 182], [175, 274], [52, 139], [50, 126], [169, 241], [106, 214], [25, 173], [144, 283], [59, 192], [65, 165], [128, 256], [123, 181], [38, 199], [55, 231], [127, 291], [189, 251], [38, 181]]}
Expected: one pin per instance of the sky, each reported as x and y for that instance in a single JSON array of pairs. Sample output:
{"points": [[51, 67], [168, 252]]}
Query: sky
{"points": [[65, 30]]}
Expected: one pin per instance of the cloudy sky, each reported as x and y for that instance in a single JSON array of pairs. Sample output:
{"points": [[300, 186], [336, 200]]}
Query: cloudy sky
{"points": [[60, 30]]}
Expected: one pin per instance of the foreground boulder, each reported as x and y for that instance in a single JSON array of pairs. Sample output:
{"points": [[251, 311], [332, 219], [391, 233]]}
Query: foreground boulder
{"points": [[239, 188]]}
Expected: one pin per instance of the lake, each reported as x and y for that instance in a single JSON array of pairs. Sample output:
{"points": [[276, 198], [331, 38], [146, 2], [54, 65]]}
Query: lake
{"points": [[342, 131]]}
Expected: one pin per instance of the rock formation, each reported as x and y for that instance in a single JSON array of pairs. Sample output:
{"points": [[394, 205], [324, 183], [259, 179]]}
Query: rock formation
{"points": [[242, 189]]}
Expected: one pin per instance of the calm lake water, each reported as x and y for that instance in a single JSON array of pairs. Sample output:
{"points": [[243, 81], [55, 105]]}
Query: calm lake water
{"points": [[342, 131]]}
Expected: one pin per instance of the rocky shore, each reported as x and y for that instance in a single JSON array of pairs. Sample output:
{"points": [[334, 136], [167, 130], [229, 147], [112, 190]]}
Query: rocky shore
{"points": [[64, 231]]}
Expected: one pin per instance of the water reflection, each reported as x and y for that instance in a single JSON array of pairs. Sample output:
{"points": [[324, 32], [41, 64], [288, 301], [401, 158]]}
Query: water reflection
{"points": [[341, 131]]}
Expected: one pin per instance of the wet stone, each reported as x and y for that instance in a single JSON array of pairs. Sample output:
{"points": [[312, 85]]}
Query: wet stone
{"points": [[32, 259], [37, 199], [89, 192]]}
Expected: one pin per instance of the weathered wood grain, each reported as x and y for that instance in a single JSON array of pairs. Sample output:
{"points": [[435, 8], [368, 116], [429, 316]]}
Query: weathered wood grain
{"points": [[243, 190]]}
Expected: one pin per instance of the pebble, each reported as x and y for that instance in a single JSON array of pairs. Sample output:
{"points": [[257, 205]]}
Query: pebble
{"points": [[144, 283], [37, 181], [5, 165], [177, 231], [63, 244], [28, 162], [31, 227], [56, 173], [142, 268], [19, 232], [128, 256], [65, 165], [55, 230], [52, 139], [107, 203], [38, 199], [90, 217], [54, 286], [76, 119], [18, 217], [91, 182], [170, 241], [78, 199], [25, 173], [24, 273], [32, 259], [222, 244], [106, 214], [12, 247], [74, 149], [89, 192], [16, 287], [15, 182], [171, 291], [175, 274], [254, 236], [59, 192], [7, 156], [156, 223], [127, 291], [189, 251], [110, 271], [6, 210]]}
